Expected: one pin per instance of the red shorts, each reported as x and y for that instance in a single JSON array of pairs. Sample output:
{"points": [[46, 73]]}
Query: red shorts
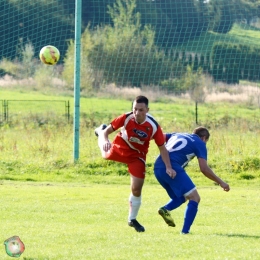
{"points": [[134, 160]]}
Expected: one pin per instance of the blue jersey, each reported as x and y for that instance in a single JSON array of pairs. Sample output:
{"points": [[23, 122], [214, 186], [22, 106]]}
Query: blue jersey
{"points": [[182, 148]]}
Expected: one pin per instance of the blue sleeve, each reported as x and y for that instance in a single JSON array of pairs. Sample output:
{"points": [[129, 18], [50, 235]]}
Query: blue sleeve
{"points": [[201, 150]]}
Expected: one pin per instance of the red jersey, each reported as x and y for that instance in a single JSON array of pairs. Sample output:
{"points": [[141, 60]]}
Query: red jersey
{"points": [[137, 136]]}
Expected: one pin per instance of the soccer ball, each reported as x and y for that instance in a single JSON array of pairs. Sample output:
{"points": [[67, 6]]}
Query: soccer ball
{"points": [[49, 55], [14, 246]]}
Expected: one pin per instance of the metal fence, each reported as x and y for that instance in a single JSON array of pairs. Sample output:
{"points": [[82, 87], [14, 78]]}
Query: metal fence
{"points": [[6, 107]]}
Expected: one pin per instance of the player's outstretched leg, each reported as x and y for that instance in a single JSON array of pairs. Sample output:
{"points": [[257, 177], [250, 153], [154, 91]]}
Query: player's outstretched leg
{"points": [[166, 216], [101, 127], [136, 225]]}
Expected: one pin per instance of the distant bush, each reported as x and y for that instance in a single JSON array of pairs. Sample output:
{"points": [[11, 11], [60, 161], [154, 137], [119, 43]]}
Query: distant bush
{"points": [[247, 163]]}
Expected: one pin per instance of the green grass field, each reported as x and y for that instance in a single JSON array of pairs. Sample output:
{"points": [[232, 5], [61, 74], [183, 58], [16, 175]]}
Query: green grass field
{"points": [[89, 221]]}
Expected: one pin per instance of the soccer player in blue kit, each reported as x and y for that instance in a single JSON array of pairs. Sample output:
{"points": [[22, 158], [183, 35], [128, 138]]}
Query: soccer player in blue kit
{"points": [[182, 148]]}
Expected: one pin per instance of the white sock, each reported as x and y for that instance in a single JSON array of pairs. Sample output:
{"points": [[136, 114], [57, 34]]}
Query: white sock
{"points": [[134, 205], [101, 141]]}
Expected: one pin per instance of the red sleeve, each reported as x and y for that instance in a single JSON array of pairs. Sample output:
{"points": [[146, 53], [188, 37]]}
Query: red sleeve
{"points": [[118, 122], [159, 137]]}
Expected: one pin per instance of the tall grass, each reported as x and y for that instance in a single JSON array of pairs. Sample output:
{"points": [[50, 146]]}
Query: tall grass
{"points": [[36, 144], [45, 153]]}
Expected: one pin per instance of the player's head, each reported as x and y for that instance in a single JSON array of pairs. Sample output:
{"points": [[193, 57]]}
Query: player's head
{"points": [[202, 132], [142, 99], [140, 108]]}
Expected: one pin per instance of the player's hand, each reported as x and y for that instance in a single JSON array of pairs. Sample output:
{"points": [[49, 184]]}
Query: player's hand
{"points": [[171, 172], [106, 146], [225, 186]]}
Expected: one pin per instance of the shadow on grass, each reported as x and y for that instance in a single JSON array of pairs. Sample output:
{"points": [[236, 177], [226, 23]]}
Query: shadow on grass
{"points": [[238, 235]]}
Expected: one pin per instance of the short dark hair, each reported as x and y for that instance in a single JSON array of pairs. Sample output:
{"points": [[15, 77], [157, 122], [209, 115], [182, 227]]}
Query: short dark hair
{"points": [[201, 132], [142, 99]]}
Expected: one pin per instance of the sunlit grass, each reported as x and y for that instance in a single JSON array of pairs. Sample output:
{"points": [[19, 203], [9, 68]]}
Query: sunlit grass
{"points": [[46, 154], [240, 33], [89, 221]]}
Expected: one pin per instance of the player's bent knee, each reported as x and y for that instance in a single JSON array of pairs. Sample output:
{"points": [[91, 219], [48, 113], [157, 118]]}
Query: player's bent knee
{"points": [[194, 196]]}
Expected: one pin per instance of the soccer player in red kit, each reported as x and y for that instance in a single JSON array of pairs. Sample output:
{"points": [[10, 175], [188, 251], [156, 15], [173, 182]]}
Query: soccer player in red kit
{"points": [[130, 146]]}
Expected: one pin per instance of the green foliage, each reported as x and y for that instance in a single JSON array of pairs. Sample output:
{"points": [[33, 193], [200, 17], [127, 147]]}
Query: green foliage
{"points": [[240, 33], [232, 62], [141, 64], [88, 77], [194, 83], [35, 21], [173, 86], [175, 83], [45, 76], [123, 46], [247, 164], [22, 67], [222, 15], [26, 54], [9, 67], [174, 22], [25, 66]]}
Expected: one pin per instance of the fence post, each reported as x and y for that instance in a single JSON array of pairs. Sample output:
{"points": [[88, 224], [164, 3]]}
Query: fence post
{"points": [[196, 112], [5, 106], [2, 116], [68, 110]]}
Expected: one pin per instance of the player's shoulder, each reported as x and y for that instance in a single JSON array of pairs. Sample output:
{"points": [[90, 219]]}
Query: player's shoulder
{"points": [[151, 119], [197, 138], [126, 116], [150, 116], [177, 135], [130, 113], [193, 138], [121, 120]]}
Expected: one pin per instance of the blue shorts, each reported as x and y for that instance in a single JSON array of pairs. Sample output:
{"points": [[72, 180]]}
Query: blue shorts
{"points": [[178, 186]]}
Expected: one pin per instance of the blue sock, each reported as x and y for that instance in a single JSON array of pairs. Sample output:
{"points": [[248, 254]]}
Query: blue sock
{"points": [[174, 203], [189, 215]]}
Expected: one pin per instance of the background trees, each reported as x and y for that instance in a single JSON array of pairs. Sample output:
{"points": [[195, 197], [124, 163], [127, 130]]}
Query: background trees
{"points": [[127, 42], [40, 22], [43, 22]]}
